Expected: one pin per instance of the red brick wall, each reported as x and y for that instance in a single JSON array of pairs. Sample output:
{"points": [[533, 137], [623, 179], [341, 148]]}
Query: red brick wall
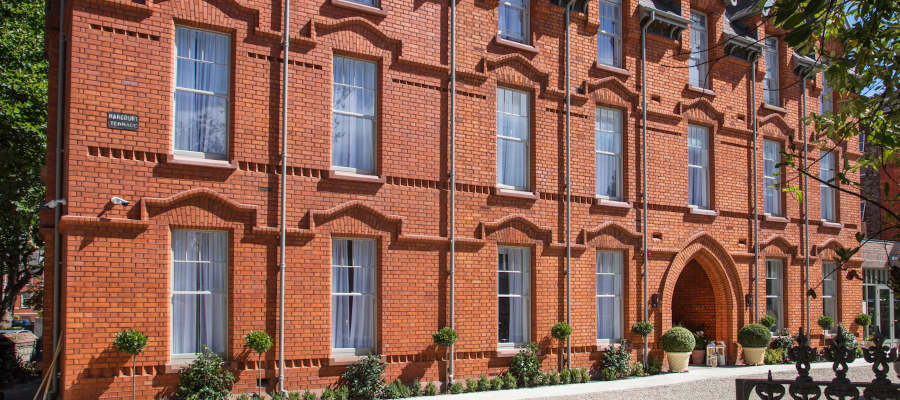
{"points": [[693, 304], [116, 260]]}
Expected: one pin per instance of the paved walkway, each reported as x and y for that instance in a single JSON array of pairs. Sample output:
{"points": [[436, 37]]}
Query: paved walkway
{"points": [[698, 384]]}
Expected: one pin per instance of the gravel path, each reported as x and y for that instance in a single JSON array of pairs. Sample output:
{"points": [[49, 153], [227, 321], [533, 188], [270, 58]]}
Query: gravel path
{"points": [[713, 389]]}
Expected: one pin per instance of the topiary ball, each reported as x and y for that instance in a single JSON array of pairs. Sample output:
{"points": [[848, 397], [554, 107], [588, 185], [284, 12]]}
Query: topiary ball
{"points": [[678, 340], [642, 328], [561, 331], [768, 321], [863, 319], [754, 336]]}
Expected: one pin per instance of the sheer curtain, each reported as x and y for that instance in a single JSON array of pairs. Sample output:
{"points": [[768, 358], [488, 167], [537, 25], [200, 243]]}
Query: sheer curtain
{"points": [[353, 116], [774, 292], [770, 82], [698, 166], [513, 133], [353, 292], [697, 64], [201, 91], [609, 295], [609, 34], [772, 177], [513, 295], [514, 20], [199, 295], [829, 289], [826, 173], [608, 128]]}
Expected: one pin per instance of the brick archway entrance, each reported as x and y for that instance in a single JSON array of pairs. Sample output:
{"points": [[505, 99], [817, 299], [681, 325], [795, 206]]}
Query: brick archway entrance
{"points": [[694, 303]]}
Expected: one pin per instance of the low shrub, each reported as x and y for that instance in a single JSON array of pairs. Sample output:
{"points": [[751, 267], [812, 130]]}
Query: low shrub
{"points": [[446, 337], [863, 320], [654, 365], [825, 322], [782, 342], [484, 384], [328, 394], [754, 336], [364, 379], [509, 381], [637, 369], [416, 388], [576, 375], [565, 376], [496, 383], [617, 357], [699, 340], [431, 389], [457, 388], [609, 374], [525, 365], [277, 396], [471, 385], [204, 378], [554, 378], [585, 375], [768, 321], [642, 328], [774, 356], [538, 380], [678, 340], [396, 390], [307, 395]]}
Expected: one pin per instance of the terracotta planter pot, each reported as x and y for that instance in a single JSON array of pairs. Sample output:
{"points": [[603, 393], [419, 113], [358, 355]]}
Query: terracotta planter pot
{"points": [[754, 355], [698, 357], [678, 362]]}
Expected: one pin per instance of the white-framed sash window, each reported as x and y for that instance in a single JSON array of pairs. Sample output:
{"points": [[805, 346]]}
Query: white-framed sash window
{"points": [[829, 290], [826, 101], [353, 264], [771, 80], [610, 267], [609, 35], [202, 69], [775, 292], [698, 166], [698, 64], [199, 292], [772, 177], [608, 152], [353, 127], [513, 137], [514, 20], [513, 296], [827, 193]]}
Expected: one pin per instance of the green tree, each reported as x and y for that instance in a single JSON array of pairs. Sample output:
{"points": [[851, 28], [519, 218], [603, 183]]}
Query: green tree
{"points": [[23, 122]]}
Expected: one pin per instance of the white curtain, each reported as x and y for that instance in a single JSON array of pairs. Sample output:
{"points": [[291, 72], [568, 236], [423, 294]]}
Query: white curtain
{"points": [[513, 295], [697, 64], [829, 289], [353, 117], [774, 290], [609, 33], [698, 166], [199, 296], [826, 173], [772, 177], [201, 91], [608, 128], [513, 133], [353, 292], [514, 20], [770, 87], [609, 294]]}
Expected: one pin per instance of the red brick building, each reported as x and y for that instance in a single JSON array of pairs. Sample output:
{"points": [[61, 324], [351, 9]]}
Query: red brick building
{"points": [[192, 256]]}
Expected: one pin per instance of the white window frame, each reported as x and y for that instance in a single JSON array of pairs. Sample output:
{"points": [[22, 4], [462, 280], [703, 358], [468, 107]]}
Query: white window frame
{"points": [[618, 274], [616, 7], [25, 296], [829, 295], [827, 169], [699, 58], [617, 131], [527, 167], [775, 176], [705, 168], [826, 100], [373, 118], [184, 357], [525, 274], [772, 79], [775, 282], [226, 96], [353, 351], [524, 14]]}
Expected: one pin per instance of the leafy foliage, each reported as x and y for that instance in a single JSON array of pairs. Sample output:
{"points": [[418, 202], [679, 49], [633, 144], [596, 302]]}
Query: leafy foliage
{"points": [[456, 388], [609, 374], [205, 379], [561, 331], [678, 340], [565, 376], [446, 337], [525, 365], [483, 383], [642, 328], [509, 381], [364, 380], [699, 340], [825, 322], [654, 365], [768, 321], [638, 369], [754, 336], [258, 341], [616, 358], [396, 390], [431, 389], [131, 342], [863, 320], [773, 356]]}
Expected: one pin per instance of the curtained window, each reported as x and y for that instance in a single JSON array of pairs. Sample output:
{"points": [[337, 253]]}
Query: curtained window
{"points": [[513, 134], [609, 295], [353, 264], [770, 82], [609, 36], [608, 149], [698, 64], [513, 296], [513, 20], [829, 290], [201, 92], [775, 292], [698, 166], [826, 101], [353, 116], [772, 177], [826, 173], [199, 281]]}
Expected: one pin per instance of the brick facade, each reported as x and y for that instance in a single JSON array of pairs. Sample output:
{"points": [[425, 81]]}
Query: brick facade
{"points": [[116, 261]]}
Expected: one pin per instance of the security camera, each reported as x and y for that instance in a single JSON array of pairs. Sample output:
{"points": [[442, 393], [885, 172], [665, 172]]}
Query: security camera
{"points": [[119, 201]]}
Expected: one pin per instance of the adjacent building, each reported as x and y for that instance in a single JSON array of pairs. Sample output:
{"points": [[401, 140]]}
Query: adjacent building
{"points": [[167, 120]]}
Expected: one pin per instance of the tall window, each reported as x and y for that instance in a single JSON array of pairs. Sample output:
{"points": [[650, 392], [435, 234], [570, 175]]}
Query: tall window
{"points": [[201, 93], [609, 295], [698, 166], [699, 61], [353, 116], [772, 177], [609, 36], [199, 279], [826, 103], [514, 20], [608, 148], [513, 296], [829, 290], [513, 133], [775, 292], [352, 295], [826, 173], [770, 83]]}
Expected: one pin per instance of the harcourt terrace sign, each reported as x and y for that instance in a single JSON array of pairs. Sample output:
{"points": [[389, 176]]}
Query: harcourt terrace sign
{"points": [[805, 388]]}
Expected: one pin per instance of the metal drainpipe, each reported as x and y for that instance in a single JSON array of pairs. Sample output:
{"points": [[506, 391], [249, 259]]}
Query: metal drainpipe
{"points": [[568, 192], [644, 25], [755, 194], [452, 356], [286, 37], [805, 161], [57, 211]]}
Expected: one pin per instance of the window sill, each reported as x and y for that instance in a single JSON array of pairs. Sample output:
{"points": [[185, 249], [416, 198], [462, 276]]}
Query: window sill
{"points": [[767, 106], [515, 45], [519, 194], [775, 218], [700, 90], [354, 177], [609, 68], [832, 225], [198, 162], [343, 360], [175, 365], [358, 7], [702, 211], [604, 202], [506, 352]]}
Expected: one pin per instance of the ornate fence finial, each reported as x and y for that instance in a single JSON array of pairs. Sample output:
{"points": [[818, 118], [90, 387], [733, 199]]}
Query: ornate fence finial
{"points": [[770, 390], [841, 352], [880, 355]]}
